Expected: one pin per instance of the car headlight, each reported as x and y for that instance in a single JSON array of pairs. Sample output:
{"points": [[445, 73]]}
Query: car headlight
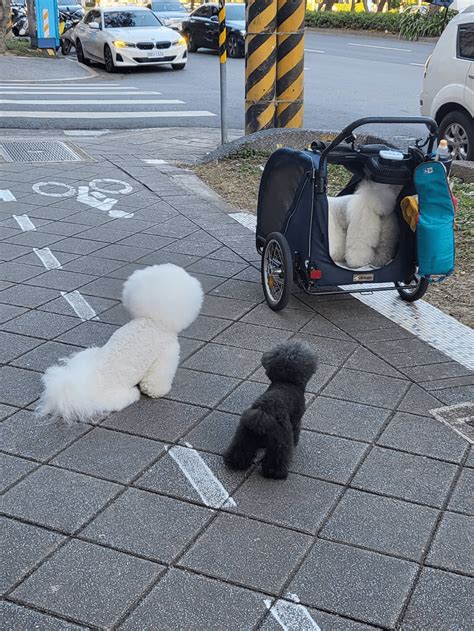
{"points": [[120, 44], [180, 42]]}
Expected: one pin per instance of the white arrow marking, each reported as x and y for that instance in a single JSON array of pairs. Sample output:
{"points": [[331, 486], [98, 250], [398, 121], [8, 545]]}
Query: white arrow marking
{"points": [[7, 196], [47, 258], [201, 478], [24, 222], [291, 616], [80, 305]]}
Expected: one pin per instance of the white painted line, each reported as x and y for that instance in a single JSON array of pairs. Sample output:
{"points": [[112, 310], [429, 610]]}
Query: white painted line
{"points": [[47, 258], [73, 93], [93, 101], [7, 196], [291, 616], [413, 64], [420, 318], [155, 161], [80, 305], [457, 418], [426, 322], [201, 478], [402, 50], [24, 222], [249, 220], [314, 50], [85, 132], [53, 115]]}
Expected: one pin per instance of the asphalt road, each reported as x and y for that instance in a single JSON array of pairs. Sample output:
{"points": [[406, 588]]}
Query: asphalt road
{"points": [[346, 77]]}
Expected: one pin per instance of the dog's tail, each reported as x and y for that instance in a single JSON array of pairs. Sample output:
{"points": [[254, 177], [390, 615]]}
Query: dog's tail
{"points": [[69, 388], [257, 421]]}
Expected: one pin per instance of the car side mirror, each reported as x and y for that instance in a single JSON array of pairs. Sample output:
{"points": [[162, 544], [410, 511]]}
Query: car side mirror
{"points": [[94, 25], [214, 18]]}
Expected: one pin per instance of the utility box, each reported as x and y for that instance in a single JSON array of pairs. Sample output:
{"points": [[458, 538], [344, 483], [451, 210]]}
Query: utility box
{"points": [[47, 23]]}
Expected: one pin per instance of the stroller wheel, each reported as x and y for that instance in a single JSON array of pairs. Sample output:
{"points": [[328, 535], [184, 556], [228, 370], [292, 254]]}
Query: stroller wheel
{"points": [[414, 290], [277, 271]]}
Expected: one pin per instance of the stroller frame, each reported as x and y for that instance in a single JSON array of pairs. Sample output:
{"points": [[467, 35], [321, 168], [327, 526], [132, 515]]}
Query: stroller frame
{"points": [[292, 216]]}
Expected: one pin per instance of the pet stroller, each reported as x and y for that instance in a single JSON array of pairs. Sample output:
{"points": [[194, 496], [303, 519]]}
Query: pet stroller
{"points": [[292, 216]]}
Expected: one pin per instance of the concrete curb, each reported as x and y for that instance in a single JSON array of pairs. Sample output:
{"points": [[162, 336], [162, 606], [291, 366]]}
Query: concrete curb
{"points": [[270, 139]]}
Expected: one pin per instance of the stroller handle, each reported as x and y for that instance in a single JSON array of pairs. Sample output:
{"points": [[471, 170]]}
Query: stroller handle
{"points": [[422, 120]]}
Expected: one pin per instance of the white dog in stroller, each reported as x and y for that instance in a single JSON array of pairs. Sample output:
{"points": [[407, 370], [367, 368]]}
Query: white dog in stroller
{"points": [[363, 227]]}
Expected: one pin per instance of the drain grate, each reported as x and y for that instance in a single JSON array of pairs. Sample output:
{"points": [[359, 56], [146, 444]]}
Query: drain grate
{"points": [[47, 151], [459, 417]]}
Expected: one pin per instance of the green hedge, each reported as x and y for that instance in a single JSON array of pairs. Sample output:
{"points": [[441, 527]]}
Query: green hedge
{"points": [[408, 25], [356, 21]]}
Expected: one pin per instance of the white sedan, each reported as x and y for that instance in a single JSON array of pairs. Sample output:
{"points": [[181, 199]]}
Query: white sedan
{"points": [[124, 37]]}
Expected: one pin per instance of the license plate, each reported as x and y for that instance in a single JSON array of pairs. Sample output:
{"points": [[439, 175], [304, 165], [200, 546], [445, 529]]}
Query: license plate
{"points": [[152, 54]]}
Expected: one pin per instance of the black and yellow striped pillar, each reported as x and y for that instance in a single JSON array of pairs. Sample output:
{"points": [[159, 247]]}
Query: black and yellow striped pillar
{"points": [[222, 33], [222, 70], [290, 63], [260, 65]]}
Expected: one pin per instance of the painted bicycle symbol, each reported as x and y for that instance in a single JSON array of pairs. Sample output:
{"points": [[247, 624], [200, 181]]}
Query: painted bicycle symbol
{"points": [[93, 195]]}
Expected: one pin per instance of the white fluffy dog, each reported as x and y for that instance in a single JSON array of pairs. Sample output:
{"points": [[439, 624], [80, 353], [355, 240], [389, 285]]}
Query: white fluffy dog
{"points": [[363, 227], [162, 301]]}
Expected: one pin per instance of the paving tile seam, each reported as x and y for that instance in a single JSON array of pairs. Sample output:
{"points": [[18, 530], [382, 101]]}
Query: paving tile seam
{"points": [[330, 513], [52, 614], [431, 538]]}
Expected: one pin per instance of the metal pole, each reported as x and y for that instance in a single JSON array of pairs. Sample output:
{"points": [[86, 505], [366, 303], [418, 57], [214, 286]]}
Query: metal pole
{"points": [[223, 70], [260, 65], [290, 63]]}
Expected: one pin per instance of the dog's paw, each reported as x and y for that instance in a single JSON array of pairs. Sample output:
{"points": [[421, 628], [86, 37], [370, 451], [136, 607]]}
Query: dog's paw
{"points": [[237, 460], [273, 473], [153, 393]]}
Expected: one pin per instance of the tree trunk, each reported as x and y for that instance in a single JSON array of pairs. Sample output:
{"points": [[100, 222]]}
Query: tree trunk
{"points": [[4, 18], [366, 6], [353, 5], [328, 4], [31, 12], [381, 5]]}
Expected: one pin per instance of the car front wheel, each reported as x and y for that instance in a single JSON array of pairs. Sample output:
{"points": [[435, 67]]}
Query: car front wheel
{"points": [[191, 42], [80, 54], [234, 46], [458, 129], [108, 60]]}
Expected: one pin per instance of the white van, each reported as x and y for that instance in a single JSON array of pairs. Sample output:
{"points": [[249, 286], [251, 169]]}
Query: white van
{"points": [[448, 85]]}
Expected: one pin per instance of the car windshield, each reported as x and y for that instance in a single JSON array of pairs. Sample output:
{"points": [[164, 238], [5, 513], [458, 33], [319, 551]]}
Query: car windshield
{"points": [[130, 19], [167, 7], [235, 12]]}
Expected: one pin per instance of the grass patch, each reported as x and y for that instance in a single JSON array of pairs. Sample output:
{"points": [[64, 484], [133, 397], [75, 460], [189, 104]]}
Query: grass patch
{"points": [[237, 180], [21, 48]]}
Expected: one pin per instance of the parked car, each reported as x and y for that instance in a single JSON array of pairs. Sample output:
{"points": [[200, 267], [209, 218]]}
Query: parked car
{"points": [[73, 7], [124, 37], [448, 85], [170, 13], [201, 29]]}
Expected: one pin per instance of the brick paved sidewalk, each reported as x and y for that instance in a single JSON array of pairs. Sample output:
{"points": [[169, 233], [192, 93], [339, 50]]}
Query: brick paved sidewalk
{"points": [[103, 526]]}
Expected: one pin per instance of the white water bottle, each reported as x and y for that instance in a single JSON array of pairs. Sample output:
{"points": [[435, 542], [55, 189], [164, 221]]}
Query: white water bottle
{"points": [[442, 152]]}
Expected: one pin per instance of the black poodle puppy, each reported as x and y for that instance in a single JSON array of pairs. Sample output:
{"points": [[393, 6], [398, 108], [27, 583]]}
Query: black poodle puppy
{"points": [[274, 420]]}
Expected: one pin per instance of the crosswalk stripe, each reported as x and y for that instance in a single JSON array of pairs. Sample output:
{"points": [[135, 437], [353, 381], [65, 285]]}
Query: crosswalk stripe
{"points": [[74, 94], [68, 88], [135, 114], [133, 102]]}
